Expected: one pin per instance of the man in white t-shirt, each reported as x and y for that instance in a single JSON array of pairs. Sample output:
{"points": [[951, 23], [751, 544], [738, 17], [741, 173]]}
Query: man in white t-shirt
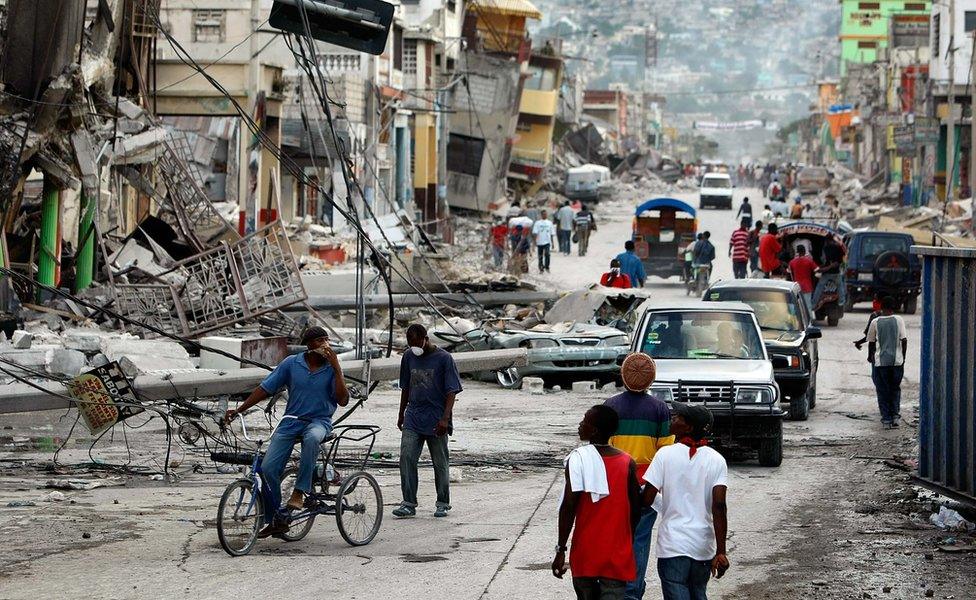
{"points": [[543, 231], [692, 480], [887, 346]]}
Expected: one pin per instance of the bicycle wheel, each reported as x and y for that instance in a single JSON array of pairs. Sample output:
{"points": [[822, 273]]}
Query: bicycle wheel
{"points": [[359, 509], [239, 517], [297, 529]]}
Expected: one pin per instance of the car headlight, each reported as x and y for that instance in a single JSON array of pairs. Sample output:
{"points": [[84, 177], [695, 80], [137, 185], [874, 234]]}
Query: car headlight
{"points": [[754, 396], [662, 394]]}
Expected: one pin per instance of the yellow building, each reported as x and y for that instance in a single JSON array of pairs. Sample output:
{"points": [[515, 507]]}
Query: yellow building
{"points": [[532, 149]]}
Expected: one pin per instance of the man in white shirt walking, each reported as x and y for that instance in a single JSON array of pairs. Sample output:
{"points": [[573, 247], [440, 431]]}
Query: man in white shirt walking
{"points": [[692, 480], [543, 231], [887, 346]]}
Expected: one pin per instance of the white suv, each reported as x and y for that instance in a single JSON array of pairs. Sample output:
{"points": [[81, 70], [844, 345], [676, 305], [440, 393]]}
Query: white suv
{"points": [[716, 190], [713, 354]]}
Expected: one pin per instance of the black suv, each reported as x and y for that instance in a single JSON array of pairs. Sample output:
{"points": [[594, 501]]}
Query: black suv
{"points": [[789, 336], [881, 263]]}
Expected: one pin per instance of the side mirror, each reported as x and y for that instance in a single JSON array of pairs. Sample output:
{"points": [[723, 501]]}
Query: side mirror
{"points": [[814, 333], [780, 362]]}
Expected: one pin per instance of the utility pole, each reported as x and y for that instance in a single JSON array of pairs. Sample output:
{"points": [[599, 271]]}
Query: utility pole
{"points": [[250, 205], [951, 124], [972, 134]]}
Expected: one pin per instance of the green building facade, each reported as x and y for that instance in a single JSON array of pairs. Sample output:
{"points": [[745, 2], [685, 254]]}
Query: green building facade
{"points": [[865, 24]]}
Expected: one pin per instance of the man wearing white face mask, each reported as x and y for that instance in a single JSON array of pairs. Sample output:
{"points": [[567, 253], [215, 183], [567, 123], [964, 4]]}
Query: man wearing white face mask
{"points": [[429, 382]]}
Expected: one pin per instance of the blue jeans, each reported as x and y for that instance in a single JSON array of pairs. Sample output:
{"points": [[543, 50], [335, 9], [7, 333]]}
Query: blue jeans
{"points": [[565, 237], [288, 432], [684, 578], [739, 269], [642, 553], [887, 384]]}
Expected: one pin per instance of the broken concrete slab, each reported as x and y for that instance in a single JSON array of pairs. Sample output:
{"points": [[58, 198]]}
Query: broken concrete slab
{"points": [[67, 362], [137, 356], [533, 385], [87, 340], [21, 340], [584, 387]]}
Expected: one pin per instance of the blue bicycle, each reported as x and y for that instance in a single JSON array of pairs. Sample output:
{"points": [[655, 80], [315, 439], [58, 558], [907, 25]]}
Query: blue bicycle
{"points": [[355, 500]]}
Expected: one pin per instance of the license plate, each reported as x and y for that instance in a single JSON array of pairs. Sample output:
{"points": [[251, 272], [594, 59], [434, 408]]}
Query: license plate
{"points": [[864, 276]]}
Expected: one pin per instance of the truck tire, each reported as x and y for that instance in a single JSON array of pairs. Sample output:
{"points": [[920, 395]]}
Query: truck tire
{"points": [[892, 269], [800, 407], [771, 449], [911, 305]]}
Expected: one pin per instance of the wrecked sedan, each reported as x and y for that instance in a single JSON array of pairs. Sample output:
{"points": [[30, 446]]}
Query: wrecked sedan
{"points": [[564, 353], [559, 354]]}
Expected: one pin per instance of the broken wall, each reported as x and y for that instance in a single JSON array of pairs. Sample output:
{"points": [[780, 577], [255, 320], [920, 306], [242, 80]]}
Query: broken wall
{"points": [[488, 115]]}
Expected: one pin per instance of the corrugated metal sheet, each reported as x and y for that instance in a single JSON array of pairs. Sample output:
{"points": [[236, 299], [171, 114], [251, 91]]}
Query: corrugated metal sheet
{"points": [[517, 8], [947, 405]]}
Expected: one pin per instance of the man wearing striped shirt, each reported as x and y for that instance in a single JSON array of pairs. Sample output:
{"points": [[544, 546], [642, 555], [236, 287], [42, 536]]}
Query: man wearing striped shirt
{"points": [[644, 428], [739, 249]]}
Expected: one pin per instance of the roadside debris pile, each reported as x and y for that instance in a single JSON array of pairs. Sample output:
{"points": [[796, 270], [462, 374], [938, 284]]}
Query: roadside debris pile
{"points": [[869, 203]]}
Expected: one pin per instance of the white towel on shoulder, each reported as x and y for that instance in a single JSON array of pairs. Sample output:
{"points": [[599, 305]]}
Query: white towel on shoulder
{"points": [[587, 472]]}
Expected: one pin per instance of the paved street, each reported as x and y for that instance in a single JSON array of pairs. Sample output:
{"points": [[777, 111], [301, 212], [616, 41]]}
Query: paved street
{"points": [[804, 528]]}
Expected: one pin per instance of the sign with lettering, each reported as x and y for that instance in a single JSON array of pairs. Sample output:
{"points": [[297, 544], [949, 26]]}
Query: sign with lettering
{"points": [[104, 397]]}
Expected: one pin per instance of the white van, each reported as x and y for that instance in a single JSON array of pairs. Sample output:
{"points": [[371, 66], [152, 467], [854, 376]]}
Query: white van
{"points": [[588, 182], [716, 190]]}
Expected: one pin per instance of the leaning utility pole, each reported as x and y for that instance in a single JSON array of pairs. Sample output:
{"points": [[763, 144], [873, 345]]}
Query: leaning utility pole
{"points": [[951, 122], [972, 134]]}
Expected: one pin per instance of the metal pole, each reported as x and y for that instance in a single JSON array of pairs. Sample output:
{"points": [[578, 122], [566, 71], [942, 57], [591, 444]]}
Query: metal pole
{"points": [[951, 122], [50, 255], [972, 134], [85, 258]]}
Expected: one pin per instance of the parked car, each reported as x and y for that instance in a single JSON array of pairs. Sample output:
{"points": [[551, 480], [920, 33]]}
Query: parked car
{"points": [[788, 333], [881, 263], [812, 180], [716, 190], [712, 354]]}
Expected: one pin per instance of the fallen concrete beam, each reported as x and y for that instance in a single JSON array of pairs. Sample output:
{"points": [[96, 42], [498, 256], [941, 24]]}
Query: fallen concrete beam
{"points": [[374, 301], [20, 397]]}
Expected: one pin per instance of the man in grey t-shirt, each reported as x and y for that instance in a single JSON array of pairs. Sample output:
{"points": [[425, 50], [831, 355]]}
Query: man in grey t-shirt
{"points": [[887, 346]]}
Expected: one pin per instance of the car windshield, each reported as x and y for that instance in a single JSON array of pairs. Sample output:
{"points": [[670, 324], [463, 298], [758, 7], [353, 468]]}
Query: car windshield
{"points": [[717, 182], [775, 310], [874, 245], [702, 334]]}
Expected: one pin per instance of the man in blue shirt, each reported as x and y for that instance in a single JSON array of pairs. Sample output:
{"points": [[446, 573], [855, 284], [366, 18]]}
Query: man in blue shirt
{"points": [[429, 382], [315, 388], [632, 265]]}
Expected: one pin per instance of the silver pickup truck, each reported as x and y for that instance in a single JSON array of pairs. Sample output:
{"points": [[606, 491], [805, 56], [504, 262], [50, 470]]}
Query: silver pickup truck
{"points": [[713, 354]]}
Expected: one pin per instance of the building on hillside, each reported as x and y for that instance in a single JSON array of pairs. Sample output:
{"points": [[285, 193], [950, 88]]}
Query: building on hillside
{"points": [[864, 27]]}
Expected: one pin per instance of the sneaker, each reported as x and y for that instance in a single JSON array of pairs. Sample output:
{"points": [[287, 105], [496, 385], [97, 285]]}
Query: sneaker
{"points": [[885, 425], [895, 423], [404, 512], [274, 529], [442, 511]]}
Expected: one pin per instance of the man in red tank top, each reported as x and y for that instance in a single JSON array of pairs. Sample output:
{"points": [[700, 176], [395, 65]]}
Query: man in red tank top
{"points": [[602, 557]]}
